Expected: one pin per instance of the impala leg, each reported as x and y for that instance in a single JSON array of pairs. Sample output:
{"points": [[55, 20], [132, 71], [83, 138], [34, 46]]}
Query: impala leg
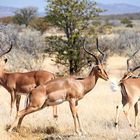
{"points": [[28, 111], [127, 108], [13, 99], [80, 126], [118, 109], [20, 121], [55, 112], [74, 114], [21, 114], [36, 103], [18, 97], [136, 114]]}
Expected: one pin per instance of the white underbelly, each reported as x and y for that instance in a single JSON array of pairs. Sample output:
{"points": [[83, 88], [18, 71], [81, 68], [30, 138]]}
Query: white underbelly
{"points": [[56, 102], [22, 93]]}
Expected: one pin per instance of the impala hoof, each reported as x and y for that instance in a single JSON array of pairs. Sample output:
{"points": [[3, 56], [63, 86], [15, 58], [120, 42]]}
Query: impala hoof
{"points": [[84, 133], [9, 130], [77, 133], [55, 116], [135, 129], [115, 124]]}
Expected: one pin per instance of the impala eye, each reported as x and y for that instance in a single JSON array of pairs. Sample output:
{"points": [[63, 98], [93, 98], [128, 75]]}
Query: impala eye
{"points": [[5, 60]]}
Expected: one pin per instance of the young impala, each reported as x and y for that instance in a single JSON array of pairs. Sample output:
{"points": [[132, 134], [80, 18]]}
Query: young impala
{"points": [[130, 90], [23, 83], [57, 91]]}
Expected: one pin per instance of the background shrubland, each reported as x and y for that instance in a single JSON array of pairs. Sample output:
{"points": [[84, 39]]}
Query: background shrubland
{"points": [[29, 45]]}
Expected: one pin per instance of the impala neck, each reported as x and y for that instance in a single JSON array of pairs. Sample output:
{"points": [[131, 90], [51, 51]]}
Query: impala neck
{"points": [[2, 78], [90, 81]]}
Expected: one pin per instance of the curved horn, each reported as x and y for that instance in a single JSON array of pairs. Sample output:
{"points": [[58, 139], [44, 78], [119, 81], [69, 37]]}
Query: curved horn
{"points": [[103, 54], [137, 67], [11, 45], [128, 66], [97, 60]]}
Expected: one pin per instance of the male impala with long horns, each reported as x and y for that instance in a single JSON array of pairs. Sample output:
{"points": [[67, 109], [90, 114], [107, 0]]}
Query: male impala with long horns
{"points": [[69, 89]]}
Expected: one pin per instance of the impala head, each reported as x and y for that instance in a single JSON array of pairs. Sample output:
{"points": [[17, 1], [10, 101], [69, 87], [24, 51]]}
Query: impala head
{"points": [[127, 75], [100, 72], [99, 68], [130, 71]]}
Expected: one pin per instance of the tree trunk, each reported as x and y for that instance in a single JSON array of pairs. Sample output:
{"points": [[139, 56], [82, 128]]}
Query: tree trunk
{"points": [[71, 68]]}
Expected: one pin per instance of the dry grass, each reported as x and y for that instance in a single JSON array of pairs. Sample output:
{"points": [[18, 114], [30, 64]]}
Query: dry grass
{"points": [[96, 111]]}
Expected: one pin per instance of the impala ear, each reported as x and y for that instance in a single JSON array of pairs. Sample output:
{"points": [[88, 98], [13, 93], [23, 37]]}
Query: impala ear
{"points": [[5, 60]]}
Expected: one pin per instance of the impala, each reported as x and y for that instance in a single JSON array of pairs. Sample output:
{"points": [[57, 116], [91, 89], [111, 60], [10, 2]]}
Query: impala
{"points": [[130, 90], [69, 89], [23, 83]]}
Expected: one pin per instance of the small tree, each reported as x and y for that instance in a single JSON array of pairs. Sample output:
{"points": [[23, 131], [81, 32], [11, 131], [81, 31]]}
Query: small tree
{"points": [[127, 22], [25, 15], [39, 23], [75, 19]]}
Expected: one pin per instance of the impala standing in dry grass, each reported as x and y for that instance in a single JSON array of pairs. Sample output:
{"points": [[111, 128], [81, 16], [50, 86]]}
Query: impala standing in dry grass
{"points": [[57, 91], [23, 83], [130, 90]]}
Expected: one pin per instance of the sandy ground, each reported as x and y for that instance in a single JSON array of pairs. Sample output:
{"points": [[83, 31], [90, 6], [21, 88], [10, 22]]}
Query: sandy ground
{"points": [[96, 111]]}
